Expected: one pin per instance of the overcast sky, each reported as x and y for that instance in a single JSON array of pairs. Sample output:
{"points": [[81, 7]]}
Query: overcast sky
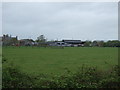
{"points": [[84, 21]]}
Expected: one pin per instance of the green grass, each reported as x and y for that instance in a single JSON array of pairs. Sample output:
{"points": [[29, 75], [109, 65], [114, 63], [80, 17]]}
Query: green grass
{"points": [[53, 60]]}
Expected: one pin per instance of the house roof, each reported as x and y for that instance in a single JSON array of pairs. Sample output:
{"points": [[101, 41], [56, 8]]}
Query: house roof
{"points": [[72, 41]]}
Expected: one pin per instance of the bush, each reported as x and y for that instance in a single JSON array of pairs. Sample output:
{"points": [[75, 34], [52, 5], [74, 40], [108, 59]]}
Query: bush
{"points": [[13, 78], [85, 77]]}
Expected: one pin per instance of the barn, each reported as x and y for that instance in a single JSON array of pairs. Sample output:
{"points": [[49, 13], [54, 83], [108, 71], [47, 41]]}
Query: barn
{"points": [[74, 43]]}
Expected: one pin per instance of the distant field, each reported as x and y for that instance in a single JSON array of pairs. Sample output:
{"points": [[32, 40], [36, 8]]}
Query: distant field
{"points": [[54, 60]]}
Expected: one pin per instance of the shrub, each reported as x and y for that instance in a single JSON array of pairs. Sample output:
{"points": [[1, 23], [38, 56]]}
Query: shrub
{"points": [[84, 77], [13, 78]]}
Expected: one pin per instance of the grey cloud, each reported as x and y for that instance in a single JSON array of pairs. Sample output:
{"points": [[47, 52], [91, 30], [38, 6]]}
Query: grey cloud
{"points": [[61, 20]]}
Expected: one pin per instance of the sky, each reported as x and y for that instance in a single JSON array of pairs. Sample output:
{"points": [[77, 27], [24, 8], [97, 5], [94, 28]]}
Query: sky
{"points": [[61, 20]]}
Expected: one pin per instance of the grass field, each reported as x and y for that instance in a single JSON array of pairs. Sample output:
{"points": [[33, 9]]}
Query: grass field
{"points": [[54, 60]]}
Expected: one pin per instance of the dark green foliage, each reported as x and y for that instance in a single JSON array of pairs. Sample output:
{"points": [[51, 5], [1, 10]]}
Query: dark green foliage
{"points": [[4, 59], [14, 78], [111, 79], [110, 43], [85, 77]]}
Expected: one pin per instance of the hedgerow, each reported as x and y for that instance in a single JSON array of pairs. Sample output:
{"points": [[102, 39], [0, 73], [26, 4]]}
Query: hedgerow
{"points": [[84, 77]]}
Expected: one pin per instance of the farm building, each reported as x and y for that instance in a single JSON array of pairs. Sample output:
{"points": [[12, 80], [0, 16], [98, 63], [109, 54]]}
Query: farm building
{"points": [[67, 43], [74, 42], [26, 42], [56, 43]]}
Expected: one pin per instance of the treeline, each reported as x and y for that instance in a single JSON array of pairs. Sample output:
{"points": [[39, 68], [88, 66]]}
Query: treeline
{"points": [[8, 40], [110, 43]]}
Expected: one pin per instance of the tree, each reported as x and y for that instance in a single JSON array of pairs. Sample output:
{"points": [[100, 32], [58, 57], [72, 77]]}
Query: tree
{"points": [[100, 43], [94, 43], [87, 43], [41, 38]]}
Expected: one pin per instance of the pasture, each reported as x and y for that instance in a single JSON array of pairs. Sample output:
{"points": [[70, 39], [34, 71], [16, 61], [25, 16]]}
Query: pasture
{"points": [[36, 60]]}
